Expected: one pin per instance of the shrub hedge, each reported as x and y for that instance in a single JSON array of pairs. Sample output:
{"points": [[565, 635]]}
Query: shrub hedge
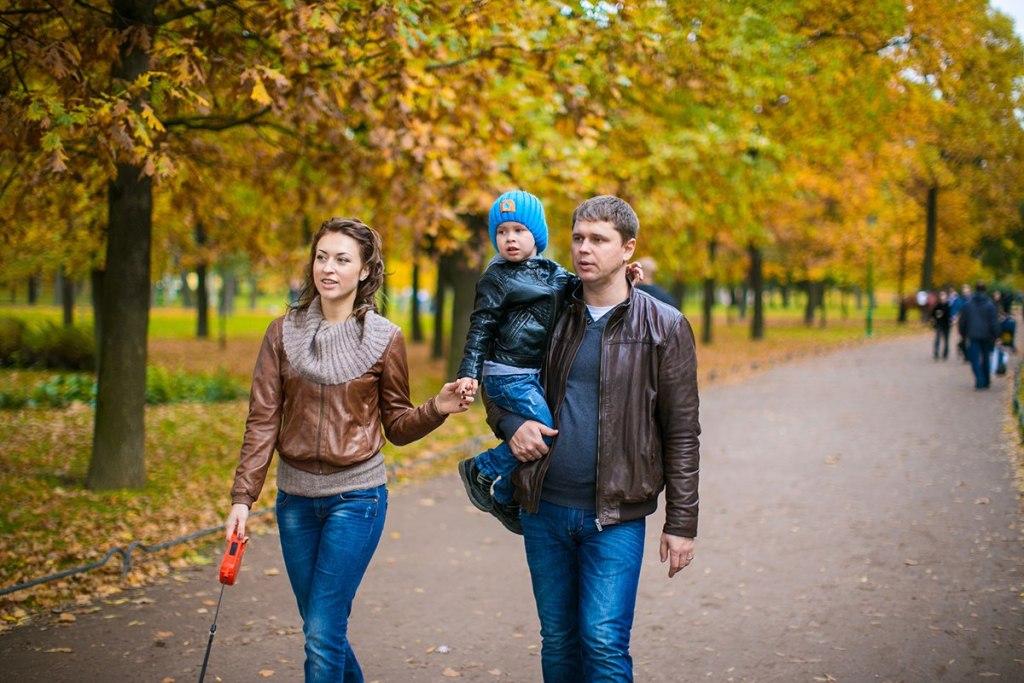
{"points": [[47, 345], [162, 386]]}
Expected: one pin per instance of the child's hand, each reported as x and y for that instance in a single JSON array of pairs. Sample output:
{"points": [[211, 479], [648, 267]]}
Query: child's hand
{"points": [[635, 273], [450, 400], [466, 387]]}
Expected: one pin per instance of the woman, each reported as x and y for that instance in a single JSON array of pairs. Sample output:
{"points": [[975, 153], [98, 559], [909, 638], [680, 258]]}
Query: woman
{"points": [[330, 374]]}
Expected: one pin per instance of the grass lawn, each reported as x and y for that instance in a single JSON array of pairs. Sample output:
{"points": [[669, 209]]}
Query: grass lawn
{"points": [[51, 522]]}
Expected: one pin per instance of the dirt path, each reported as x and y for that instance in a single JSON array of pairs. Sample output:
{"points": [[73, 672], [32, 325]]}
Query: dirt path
{"points": [[859, 523]]}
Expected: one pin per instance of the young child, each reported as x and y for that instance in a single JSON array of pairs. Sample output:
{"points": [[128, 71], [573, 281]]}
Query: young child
{"points": [[517, 300]]}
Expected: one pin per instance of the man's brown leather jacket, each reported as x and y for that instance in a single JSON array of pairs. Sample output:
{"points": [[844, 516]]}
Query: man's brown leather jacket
{"points": [[322, 428], [648, 426]]}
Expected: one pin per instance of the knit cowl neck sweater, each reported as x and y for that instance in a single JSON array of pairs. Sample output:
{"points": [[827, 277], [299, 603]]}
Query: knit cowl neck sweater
{"points": [[333, 354]]}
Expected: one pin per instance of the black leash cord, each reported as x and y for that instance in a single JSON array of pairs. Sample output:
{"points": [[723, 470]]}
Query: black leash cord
{"points": [[213, 632]]}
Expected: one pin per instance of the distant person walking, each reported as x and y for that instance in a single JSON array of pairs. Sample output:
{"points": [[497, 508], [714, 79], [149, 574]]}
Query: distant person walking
{"points": [[941, 318], [979, 325], [330, 375], [649, 266], [956, 305]]}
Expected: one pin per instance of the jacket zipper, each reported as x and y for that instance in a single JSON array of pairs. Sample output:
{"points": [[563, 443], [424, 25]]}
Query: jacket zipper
{"points": [[597, 456], [600, 384], [319, 431]]}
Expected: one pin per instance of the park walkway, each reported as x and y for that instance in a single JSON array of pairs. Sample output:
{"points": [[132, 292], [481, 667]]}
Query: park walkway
{"points": [[859, 523]]}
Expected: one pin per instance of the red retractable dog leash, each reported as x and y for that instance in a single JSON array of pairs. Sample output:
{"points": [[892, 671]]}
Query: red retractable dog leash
{"points": [[229, 568]]}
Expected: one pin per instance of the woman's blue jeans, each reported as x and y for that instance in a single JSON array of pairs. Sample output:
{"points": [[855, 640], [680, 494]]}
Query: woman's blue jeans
{"points": [[585, 583], [327, 544]]}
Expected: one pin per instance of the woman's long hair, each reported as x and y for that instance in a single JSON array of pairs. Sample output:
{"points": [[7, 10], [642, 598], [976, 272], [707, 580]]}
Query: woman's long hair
{"points": [[370, 252]]}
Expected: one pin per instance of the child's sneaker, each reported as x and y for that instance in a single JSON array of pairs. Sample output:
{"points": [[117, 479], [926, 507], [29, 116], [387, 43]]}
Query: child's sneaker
{"points": [[478, 487], [508, 515]]}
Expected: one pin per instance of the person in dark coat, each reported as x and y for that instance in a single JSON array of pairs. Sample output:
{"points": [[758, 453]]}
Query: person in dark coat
{"points": [[979, 325], [941, 317], [649, 266]]}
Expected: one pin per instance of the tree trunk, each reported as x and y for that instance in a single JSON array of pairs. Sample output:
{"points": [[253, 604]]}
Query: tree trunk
{"points": [[416, 325], [67, 299], [118, 454], [463, 274], [901, 278], [437, 349], [820, 297], [225, 304], [186, 291], [930, 236], [202, 303], [118, 450], [756, 279], [809, 308], [463, 282], [202, 291], [709, 295], [33, 290]]}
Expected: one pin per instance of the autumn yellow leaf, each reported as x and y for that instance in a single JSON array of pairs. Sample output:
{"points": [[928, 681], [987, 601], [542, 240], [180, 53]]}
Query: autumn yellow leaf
{"points": [[150, 118], [259, 91], [266, 673]]}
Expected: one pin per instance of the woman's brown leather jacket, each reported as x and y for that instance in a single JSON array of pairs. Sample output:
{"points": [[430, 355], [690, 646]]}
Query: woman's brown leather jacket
{"points": [[648, 426], [321, 428]]}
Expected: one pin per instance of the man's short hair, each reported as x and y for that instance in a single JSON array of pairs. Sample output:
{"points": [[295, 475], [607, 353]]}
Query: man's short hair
{"points": [[979, 286], [611, 209]]}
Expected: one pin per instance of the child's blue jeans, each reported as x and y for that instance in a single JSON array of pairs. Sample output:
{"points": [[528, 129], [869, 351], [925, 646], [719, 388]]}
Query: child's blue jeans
{"points": [[522, 395]]}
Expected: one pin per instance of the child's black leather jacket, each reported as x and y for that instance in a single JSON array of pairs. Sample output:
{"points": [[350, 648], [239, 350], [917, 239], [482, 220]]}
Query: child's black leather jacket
{"points": [[516, 306]]}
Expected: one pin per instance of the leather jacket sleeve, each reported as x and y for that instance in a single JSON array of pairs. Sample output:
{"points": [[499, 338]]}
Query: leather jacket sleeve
{"points": [[402, 422], [483, 324], [678, 414], [262, 426]]}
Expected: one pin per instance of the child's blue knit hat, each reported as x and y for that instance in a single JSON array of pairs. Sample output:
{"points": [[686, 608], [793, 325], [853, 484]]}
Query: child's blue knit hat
{"points": [[521, 207]]}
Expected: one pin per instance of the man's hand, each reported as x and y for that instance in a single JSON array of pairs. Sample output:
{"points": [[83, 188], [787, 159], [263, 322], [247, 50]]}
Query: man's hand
{"points": [[527, 443], [678, 551]]}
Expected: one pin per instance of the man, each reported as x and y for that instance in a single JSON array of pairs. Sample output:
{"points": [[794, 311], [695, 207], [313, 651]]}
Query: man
{"points": [[649, 266], [628, 360], [979, 326], [940, 322]]}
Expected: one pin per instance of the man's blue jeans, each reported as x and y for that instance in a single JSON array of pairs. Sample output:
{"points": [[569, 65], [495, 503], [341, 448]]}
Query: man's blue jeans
{"points": [[585, 583], [522, 395], [327, 544], [979, 351]]}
